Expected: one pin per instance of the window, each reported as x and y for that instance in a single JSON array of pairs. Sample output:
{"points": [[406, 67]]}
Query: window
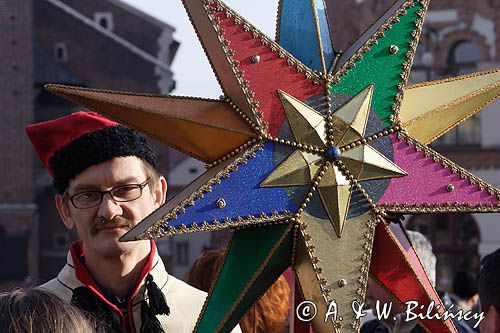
{"points": [[182, 253], [454, 239], [60, 52], [17, 264], [104, 19], [463, 58]]}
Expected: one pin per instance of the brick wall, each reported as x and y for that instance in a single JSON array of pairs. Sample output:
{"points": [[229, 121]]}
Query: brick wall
{"points": [[17, 211], [127, 24], [92, 57]]}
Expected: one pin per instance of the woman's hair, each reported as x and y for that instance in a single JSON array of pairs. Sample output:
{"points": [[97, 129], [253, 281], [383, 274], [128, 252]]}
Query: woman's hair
{"points": [[267, 315], [204, 270], [39, 311]]}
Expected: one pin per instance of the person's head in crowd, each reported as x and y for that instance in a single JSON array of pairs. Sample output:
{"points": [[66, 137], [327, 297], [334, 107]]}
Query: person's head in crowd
{"points": [[423, 247], [38, 311], [465, 284], [267, 315], [465, 287], [489, 292], [105, 178], [203, 271]]}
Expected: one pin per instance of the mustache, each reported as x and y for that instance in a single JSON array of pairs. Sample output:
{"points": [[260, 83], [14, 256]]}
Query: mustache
{"points": [[116, 222]]}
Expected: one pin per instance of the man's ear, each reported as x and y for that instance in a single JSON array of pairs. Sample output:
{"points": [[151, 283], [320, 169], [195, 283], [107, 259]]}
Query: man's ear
{"points": [[63, 209], [160, 192]]}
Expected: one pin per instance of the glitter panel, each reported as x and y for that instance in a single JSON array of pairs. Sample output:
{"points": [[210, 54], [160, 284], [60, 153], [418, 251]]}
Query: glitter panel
{"points": [[427, 181], [242, 194]]}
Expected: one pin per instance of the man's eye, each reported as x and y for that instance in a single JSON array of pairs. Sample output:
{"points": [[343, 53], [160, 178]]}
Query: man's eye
{"points": [[124, 190], [87, 196]]}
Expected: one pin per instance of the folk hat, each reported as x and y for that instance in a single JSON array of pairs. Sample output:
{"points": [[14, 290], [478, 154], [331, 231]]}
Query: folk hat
{"points": [[69, 145]]}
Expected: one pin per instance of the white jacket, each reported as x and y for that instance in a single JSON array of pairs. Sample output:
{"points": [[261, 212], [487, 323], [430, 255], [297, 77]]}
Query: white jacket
{"points": [[185, 302]]}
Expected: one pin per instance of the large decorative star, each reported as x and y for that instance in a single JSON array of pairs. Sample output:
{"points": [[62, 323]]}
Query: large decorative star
{"points": [[251, 136]]}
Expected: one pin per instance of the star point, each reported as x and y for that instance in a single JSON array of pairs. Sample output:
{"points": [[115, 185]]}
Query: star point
{"points": [[349, 122], [307, 124]]}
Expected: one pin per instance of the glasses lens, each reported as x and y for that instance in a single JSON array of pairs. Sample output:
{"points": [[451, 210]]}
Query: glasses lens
{"points": [[126, 192], [86, 199]]}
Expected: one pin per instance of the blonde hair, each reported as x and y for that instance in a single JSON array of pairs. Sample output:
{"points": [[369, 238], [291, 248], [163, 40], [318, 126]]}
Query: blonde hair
{"points": [[39, 311]]}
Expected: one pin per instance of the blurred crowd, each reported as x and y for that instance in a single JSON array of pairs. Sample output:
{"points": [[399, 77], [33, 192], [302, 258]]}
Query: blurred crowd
{"points": [[38, 311]]}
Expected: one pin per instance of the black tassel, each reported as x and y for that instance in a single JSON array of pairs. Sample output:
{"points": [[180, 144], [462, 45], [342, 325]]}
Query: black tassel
{"points": [[157, 302], [96, 310], [150, 324]]}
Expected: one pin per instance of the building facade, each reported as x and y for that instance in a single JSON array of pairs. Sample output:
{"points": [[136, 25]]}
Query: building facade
{"points": [[18, 216], [458, 37], [101, 44], [461, 37]]}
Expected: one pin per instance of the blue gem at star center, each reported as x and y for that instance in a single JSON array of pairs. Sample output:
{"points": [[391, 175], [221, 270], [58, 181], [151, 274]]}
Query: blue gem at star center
{"points": [[332, 154]]}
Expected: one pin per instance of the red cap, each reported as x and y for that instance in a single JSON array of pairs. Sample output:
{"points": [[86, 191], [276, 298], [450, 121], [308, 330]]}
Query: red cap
{"points": [[50, 136]]}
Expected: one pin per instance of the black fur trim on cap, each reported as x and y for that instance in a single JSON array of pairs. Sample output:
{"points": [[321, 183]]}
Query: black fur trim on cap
{"points": [[98, 147]]}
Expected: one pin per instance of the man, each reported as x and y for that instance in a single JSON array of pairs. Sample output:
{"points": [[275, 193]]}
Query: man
{"points": [[489, 293], [106, 183]]}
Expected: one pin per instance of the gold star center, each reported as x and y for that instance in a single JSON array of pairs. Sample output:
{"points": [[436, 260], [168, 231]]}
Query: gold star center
{"points": [[333, 178]]}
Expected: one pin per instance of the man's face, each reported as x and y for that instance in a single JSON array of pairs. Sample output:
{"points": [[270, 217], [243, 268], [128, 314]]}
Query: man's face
{"points": [[118, 217]]}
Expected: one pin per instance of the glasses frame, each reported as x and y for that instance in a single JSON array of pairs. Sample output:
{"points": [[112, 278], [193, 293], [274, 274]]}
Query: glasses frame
{"points": [[141, 186]]}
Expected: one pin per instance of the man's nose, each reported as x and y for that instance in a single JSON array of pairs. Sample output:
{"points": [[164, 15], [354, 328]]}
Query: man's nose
{"points": [[109, 208]]}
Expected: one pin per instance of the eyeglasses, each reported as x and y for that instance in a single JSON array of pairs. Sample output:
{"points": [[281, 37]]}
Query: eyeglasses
{"points": [[122, 193]]}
